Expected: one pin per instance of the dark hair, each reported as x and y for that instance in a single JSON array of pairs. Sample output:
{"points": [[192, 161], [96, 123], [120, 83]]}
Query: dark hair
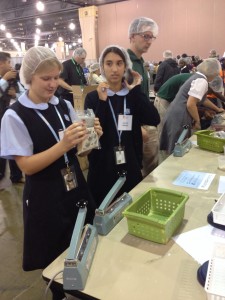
{"points": [[4, 56], [115, 50]]}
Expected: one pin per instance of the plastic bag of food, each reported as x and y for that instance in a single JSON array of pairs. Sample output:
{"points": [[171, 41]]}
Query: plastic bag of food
{"points": [[92, 141]]}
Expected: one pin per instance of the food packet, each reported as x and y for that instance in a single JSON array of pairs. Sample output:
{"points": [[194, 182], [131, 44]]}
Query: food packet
{"points": [[92, 140]]}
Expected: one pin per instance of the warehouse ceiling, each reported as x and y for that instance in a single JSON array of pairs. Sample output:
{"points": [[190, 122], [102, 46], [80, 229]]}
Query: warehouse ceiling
{"points": [[18, 22]]}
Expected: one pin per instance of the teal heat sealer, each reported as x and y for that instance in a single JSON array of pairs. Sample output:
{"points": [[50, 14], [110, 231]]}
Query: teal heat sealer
{"points": [[183, 145], [81, 252], [108, 215]]}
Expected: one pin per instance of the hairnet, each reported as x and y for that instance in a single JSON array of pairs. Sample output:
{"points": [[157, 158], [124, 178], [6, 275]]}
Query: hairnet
{"points": [[167, 54], [117, 50], [94, 67], [209, 67], [143, 24], [31, 61], [217, 84], [79, 52]]}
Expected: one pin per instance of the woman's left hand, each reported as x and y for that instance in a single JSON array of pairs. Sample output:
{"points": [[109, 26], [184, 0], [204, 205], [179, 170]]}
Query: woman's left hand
{"points": [[98, 127], [137, 79]]}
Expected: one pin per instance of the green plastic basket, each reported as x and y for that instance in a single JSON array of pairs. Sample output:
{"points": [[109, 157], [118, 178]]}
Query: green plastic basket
{"points": [[208, 142], [156, 215]]}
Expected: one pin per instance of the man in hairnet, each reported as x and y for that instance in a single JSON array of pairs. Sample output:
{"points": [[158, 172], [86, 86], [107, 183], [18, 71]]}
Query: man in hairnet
{"points": [[184, 108], [142, 32]]}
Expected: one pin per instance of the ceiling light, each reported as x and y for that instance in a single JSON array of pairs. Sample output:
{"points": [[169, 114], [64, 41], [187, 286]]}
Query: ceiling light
{"points": [[72, 26], [2, 27], [60, 39], [79, 40], [40, 6], [38, 31], [8, 35], [38, 21]]}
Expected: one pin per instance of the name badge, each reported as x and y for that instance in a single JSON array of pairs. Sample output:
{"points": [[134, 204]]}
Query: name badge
{"points": [[69, 178], [119, 155], [125, 122]]}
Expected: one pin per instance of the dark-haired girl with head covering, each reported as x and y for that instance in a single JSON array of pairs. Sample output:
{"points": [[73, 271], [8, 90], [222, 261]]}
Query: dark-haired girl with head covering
{"points": [[121, 108]]}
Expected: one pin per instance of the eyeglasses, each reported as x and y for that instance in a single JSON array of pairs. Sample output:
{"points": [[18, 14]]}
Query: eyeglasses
{"points": [[147, 37]]}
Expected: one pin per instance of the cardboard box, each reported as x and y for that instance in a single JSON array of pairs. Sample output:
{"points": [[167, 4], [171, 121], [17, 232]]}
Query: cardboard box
{"points": [[79, 95]]}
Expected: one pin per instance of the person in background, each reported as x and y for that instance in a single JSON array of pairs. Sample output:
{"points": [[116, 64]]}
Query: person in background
{"points": [[166, 69], [114, 102], [95, 74], [151, 71], [10, 89], [167, 93], [222, 73], [41, 133], [182, 64], [183, 110], [142, 32], [147, 68], [72, 74], [85, 70], [213, 54]]}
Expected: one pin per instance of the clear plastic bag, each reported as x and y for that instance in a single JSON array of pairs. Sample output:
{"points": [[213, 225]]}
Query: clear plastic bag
{"points": [[219, 134], [92, 140]]}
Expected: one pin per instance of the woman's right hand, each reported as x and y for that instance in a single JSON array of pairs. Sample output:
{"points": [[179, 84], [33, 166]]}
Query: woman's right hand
{"points": [[74, 134], [197, 125], [102, 90]]}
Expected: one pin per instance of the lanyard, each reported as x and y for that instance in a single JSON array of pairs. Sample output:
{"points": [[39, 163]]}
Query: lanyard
{"points": [[52, 130], [114, 117]]}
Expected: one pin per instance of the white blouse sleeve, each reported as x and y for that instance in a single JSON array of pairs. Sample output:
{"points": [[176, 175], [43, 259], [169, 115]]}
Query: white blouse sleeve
{"points": [[72, 112], [15, 138], [199, 88]]}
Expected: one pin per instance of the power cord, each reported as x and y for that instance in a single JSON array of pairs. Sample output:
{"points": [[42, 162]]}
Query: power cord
{"points": [[50, 282]]}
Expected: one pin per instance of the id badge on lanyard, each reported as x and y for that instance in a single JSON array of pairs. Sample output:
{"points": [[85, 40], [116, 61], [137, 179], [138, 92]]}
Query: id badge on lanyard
{"points": [[124, 124]]}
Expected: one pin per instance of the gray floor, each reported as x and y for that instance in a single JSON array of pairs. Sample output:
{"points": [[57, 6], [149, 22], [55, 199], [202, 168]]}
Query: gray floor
{"points": [[14, 282]]}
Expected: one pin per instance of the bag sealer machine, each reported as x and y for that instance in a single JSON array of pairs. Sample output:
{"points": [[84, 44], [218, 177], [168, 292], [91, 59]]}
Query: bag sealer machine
{"points": [[183, 145], [108, 215], [81, 252]]}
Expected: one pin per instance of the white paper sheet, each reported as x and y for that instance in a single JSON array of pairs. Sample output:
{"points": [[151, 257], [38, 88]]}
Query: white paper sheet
{"points": [[199, 242], [195, 180], [221, 187]]}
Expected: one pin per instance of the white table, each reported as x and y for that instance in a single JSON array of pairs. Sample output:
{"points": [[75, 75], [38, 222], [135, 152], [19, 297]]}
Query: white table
{"points": [[130, 268]]}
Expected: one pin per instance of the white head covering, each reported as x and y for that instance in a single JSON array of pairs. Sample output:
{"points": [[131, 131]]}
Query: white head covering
{"points": [[209, 67], [32, 59], [143, 24], [117, 50], [217, 84]]}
